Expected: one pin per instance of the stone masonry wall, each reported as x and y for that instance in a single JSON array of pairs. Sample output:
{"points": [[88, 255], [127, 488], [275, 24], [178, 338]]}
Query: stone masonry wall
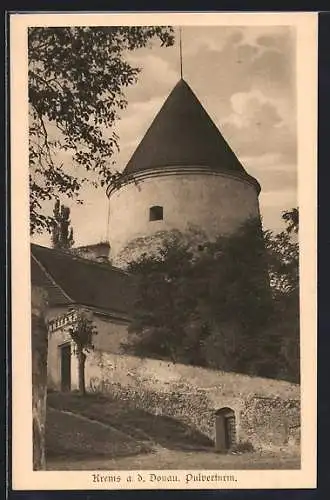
{"points": [[271, 422], [267, 411]]}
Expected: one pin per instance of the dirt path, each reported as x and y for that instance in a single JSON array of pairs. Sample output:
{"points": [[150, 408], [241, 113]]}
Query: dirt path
{"points": [[102, 424], [82, 442], [71, 437], [126, 435], [173, 459]]}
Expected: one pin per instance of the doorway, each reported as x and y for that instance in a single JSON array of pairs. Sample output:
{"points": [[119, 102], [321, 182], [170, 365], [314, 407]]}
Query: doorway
{"points": [[225, 429], [65, 367]]}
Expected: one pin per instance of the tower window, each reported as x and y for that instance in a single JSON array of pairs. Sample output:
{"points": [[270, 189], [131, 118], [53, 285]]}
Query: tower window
{"points": [[156, 213]]}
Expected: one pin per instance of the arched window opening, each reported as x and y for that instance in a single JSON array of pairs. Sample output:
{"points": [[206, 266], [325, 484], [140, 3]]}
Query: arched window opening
{"points": [[225, 429], [155, 213]]}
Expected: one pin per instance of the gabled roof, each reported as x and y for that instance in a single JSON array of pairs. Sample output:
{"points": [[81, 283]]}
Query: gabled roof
{"points": [[71, 279], [183, 134], [39, 277]]}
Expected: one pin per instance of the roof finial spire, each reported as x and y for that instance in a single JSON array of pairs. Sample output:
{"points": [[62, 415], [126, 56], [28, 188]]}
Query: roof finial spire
{"points": [[180, 35]]}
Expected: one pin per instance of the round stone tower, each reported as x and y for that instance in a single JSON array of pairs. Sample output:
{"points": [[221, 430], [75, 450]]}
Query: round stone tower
{"points": [[182, 173]]}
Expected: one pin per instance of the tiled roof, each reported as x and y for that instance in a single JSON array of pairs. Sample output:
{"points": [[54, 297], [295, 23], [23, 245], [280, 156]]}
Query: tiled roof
{"points": [[183, 134], [72, 279], [42, 279]]}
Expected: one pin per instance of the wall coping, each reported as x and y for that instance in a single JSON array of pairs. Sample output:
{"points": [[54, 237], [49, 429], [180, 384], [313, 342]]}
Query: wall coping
{"points": [[182, 170]]}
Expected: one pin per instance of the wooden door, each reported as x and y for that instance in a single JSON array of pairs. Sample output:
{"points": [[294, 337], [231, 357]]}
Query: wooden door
{"points": [[220, 435], [66, 367], [230, 431], [225, 429]]}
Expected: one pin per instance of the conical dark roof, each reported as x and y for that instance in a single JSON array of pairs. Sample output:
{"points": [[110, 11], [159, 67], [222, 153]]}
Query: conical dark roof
{"points": [[182, 134]]}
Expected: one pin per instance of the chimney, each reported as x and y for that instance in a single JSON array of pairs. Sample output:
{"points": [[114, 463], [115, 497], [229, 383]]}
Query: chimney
{"points": [[98, 252]]}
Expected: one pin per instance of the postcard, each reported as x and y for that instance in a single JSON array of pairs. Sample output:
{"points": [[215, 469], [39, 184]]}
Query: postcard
{"points": [[163, 203]]}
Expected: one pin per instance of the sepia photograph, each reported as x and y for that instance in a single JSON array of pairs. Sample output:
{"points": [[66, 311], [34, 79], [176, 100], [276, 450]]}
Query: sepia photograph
{"points": [[167, 195]]}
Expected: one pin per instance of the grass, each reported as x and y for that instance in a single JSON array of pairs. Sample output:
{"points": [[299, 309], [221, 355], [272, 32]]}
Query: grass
{"points": [[138, 424], [70, 436], [95, 432]]}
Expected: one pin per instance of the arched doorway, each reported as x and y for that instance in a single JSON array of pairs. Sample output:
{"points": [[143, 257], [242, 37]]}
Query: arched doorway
{"points": [[225, 429]]}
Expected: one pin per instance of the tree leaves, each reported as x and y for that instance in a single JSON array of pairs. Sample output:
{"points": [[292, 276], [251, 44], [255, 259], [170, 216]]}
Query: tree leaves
{"points": [[62, 233], [283, 257], [77, 81], [230, 304], [82, 330], [291, 217], [82, 333]]}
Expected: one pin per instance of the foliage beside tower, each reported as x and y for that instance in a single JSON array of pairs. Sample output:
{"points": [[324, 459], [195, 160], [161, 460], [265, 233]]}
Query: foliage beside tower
{"points": [[77, 81], [212, 304], [62, 233]]}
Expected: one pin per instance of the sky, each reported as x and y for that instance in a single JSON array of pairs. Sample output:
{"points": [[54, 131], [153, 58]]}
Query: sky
{"points": [[244, 76]]}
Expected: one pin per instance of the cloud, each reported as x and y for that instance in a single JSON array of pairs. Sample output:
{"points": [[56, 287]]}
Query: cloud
{"points": [[272, 204], [245, 78], [195, 39], [257, 126], [273, 178], [248, 94], [267, 162], [278, 180], [267, 40], [246, 52], [281, 38], [249, 107], [137, 117], [239, 64], [157, 77], [278, 199], [224, 65], [133, 125], [272, 66]]}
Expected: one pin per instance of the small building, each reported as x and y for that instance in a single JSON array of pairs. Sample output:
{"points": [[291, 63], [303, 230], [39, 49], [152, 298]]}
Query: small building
{"points": [[229, 408], [71, 280]]}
